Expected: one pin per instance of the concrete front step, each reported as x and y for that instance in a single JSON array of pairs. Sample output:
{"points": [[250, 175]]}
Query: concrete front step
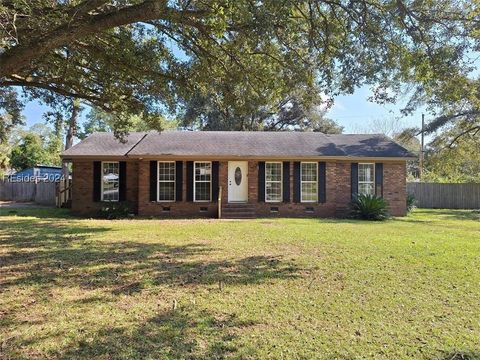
{"points": [[238, 211], [238, 206], [238, 216]]}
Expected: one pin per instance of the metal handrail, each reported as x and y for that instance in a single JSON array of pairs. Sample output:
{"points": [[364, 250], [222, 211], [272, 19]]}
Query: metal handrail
{"points": [[219, 202]]}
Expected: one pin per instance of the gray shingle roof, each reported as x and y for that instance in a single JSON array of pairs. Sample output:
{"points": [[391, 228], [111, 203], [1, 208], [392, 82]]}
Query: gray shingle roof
{"points": [[104, 143], [240, 144]]}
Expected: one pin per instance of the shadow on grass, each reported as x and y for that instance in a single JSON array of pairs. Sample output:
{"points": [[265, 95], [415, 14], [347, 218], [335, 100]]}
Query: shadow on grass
{"points": [[172, 334], [436, 216], [462, 355], [41, 213], [451, 214], [47, 254], [51, 253]]}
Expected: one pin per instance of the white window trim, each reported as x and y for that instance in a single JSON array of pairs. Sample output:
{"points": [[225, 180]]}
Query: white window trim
{"points": [[308, 182], [281, 182], [101, 173], [366, 182], [195, 182], [167, 181]]}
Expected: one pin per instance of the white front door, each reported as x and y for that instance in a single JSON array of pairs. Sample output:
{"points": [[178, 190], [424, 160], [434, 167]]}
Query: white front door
{"points": [[237, 181]]}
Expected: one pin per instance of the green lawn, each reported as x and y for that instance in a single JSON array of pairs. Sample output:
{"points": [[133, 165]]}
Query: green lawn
{"points": [[282, 288]]}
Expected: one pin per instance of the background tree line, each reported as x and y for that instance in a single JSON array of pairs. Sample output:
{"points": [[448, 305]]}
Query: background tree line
{"points": [[42, 143]]}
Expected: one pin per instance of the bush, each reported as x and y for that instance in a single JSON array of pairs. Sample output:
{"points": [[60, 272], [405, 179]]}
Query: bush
{"points": [[369, 207], [115, 210], [410, 202]]}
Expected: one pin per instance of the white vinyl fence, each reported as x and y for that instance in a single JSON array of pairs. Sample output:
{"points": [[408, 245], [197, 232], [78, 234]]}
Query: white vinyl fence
{"points": [[445, 196]]}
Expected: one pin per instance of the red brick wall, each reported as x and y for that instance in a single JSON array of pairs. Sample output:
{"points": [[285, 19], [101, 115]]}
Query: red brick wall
{"points": [[338, 192], [132, 184], [342, 188], [395, 187], [179, 209], [82, 187], [292, 209]]}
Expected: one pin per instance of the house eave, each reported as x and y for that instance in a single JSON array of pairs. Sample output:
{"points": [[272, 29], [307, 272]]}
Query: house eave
{"points": [[234, 157]]}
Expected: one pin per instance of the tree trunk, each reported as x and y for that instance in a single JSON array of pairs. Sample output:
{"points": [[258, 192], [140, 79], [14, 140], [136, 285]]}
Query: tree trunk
{"points": [[71, 132]]}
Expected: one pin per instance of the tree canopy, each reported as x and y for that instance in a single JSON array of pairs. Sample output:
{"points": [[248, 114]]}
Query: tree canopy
{"points": [[152, 57], [453, 162], [100, 121], [38, 145], [291, 113], [10, 112]]}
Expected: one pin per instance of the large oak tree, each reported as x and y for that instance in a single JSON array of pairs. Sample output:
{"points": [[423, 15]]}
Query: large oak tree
{"points": [[149, 57]]}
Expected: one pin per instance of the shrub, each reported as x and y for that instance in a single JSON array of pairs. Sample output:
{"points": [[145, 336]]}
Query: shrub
{"points": [[115, 210], [369, 207], [410, 202]]}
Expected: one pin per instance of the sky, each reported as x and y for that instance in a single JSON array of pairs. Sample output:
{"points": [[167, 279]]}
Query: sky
{"points": [[354, 112], [358, 115]]}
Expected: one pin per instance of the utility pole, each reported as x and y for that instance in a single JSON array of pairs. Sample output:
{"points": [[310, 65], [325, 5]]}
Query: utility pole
{"points": [[422, 147]]}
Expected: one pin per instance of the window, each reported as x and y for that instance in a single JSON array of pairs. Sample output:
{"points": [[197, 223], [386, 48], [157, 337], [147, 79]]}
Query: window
{"points": [[203, 181], [308, 175], [366, 179], [273, 181], [110, 181], [166, 181]]}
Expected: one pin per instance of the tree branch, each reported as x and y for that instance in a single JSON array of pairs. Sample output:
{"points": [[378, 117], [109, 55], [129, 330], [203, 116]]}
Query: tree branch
{"points": [[444, 119], [18, 57], [85, 7], [455, 139], [93, 99]]}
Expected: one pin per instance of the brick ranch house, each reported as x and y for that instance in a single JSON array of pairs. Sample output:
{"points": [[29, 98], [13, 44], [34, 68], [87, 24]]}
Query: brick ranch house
{"points": [[242, 174]]}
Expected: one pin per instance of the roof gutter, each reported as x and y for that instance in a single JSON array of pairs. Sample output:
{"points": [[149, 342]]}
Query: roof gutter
{"points": [[236, 157]]}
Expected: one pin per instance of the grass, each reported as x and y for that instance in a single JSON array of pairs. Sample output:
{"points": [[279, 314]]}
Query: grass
{"points": [[282, 288]]}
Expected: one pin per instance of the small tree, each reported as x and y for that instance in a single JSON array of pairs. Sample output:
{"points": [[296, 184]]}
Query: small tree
{"points": [[29, 152], [39, 145]]}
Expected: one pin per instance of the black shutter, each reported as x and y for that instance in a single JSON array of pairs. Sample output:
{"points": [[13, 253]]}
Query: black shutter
{"points": [[322, 182], [286, 181], [189, 180], [379, 179], [261, 181], [215, 167], [354, 179], [296, 182], [178, 180], [122, 181], [97, 180], [153, 180]]}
